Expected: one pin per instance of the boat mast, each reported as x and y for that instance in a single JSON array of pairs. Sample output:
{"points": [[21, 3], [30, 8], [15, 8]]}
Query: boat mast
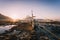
{"points": [[32, 19]]}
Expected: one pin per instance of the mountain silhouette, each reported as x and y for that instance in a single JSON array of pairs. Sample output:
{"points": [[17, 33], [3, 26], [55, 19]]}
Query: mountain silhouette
{"points": [[3, 17]]}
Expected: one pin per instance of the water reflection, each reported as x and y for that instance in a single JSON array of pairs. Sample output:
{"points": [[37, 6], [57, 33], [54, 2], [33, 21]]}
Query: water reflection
{"points": [[7, 27]]}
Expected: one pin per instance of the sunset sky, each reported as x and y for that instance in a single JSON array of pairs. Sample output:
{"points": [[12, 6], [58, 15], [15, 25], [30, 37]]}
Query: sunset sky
{"points": [[21, 8]]}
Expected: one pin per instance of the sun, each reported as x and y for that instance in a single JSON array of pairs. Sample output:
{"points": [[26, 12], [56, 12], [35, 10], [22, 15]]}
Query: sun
{"points": [[14, 17]]}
